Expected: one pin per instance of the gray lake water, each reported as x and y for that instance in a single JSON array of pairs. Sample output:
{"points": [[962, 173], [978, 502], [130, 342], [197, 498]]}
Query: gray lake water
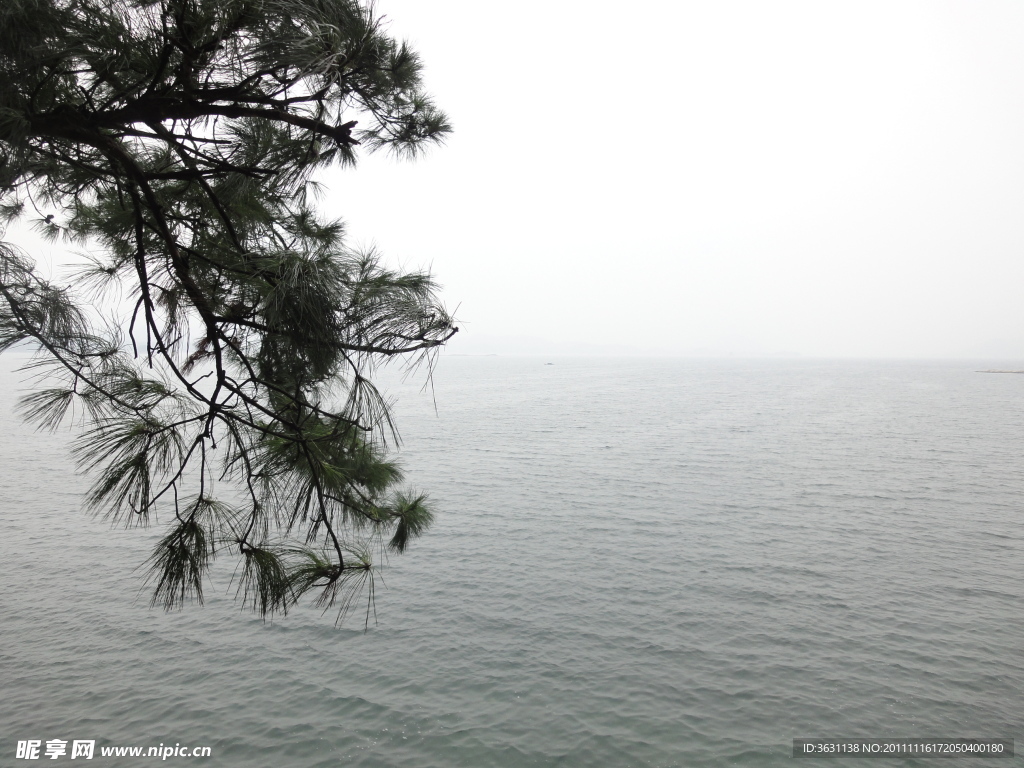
{"points": [[636, 563]]}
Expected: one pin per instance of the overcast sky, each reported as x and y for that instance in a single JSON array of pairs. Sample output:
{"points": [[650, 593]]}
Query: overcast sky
{"points": [[746, 178]]}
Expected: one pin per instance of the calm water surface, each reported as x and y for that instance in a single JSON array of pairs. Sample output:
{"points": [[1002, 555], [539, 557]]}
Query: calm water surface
{"points": [[637, 563]]}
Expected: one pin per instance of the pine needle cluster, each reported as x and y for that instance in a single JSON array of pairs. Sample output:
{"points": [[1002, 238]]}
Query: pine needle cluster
{"points": [[176, 142]]}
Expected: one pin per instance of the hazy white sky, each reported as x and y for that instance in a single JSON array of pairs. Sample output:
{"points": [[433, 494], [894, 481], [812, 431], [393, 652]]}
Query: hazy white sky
{"points": [[728, 177]]}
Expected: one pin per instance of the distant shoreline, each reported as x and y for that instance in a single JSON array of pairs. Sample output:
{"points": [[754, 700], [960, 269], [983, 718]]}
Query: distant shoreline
{"points": [[994, 371]]}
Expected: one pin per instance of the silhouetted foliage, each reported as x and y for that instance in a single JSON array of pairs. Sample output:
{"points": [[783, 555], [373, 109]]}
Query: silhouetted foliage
{"points": [[175, 141]]}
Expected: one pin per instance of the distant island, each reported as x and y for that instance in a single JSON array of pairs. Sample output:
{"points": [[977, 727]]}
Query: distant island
{"points": [[995, 371]]}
